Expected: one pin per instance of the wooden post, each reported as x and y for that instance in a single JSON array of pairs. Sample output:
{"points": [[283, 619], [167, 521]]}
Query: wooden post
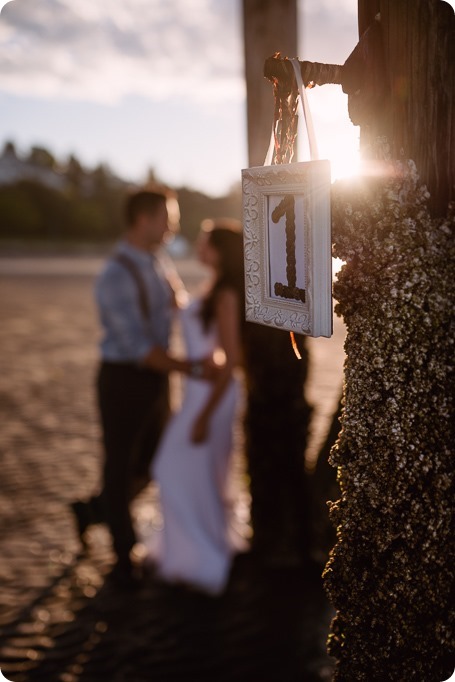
{"points": [[269, 26], [399, 80], [277, 414], [390, 575], [417, 113]]}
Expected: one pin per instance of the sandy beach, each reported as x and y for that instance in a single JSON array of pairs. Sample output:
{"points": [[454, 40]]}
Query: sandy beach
{"points": [[55, 619]]}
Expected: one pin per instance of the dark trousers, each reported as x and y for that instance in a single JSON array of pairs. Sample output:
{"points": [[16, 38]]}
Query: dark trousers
{"points": [[134, 407]]}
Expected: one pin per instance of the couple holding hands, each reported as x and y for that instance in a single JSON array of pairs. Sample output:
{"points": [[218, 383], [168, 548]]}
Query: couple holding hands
{"points": [[138, 295]]}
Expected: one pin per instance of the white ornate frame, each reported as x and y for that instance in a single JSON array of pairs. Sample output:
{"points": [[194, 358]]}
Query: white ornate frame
{"points": [[310, 181]]}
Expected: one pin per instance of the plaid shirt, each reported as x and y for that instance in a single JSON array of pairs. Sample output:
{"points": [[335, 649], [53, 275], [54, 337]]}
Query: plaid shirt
{"points": [[127, 335]]}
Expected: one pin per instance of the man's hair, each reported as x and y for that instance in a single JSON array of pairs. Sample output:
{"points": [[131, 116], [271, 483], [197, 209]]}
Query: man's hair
{"points": [[143, 201]]}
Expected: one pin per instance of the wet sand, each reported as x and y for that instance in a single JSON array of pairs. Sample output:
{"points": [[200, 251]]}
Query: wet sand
{"points": [[59, 620]]}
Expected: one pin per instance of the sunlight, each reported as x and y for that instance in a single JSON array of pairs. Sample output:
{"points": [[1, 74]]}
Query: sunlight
{"points": [[344, 162], [337, 138], [337, 264]]}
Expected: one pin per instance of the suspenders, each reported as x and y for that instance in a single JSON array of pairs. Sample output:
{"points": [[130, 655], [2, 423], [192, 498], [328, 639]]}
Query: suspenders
{"points": [[128, 263]]}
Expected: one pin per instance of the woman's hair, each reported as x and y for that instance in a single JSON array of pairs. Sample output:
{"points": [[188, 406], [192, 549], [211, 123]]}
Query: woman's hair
{"points": [[226, 236]]}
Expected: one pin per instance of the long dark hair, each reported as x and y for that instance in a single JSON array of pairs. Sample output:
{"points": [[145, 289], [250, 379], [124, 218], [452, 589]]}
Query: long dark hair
{"points": [[226, 236]]}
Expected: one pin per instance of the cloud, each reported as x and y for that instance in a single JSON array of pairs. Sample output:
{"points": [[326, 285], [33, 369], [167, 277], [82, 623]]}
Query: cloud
{"points": [[150, 83], [328, 30], [93, 50], [104, 51], [2, 4]]}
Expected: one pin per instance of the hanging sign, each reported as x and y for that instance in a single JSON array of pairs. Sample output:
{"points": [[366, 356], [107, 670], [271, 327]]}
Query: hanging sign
{"points": [[288, 259], [287, 240]]}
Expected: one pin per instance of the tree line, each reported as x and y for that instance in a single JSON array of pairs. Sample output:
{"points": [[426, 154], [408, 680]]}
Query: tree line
{"points": [[52, 200]]}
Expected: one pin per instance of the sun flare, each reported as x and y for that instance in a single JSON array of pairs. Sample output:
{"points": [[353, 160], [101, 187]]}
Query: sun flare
{"points": [[344, 164], [342, 152]]}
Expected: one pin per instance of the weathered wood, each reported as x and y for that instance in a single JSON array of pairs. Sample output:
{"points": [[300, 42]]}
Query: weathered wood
{"points": [[418, 114], [388, 574], [277, 413], [313, 73], [400, 84], [367, 11], [268, 27]]}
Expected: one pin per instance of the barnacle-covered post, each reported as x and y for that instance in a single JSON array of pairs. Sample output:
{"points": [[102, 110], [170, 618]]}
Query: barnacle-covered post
{"points": [[390, 574]]}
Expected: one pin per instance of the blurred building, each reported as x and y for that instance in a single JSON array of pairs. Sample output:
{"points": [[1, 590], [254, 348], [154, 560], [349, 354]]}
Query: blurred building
{"points": [[13, 169]]}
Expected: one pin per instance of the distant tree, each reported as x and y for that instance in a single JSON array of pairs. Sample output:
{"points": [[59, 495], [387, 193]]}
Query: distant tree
{"points": [[41, 157], [51, 205], [9, 149], [196, 206], [19, 216], [91, 205], [88, 220], [100, 180], [109, 193], [151, 177], [75, 175], [229, 205]]}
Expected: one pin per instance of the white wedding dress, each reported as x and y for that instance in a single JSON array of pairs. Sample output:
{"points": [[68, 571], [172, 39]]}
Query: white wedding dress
{"points": [[196, 543]]}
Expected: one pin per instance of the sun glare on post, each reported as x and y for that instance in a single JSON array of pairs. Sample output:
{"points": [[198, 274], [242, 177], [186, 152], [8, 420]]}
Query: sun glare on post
{"points": [[345, 163]]}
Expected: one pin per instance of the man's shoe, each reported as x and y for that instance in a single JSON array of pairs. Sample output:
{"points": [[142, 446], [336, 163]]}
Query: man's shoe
{"points": [[126, 578], [83, 519]]}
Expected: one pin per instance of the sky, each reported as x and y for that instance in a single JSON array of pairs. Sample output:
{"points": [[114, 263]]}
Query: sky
{"points": [[156, 84]]}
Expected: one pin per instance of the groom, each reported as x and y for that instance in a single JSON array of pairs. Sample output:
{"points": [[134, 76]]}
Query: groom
{"points": [[135, 295]]}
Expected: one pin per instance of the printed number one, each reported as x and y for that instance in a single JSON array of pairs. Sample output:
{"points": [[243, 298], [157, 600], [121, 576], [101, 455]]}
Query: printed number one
{"points": [[286, 208]]}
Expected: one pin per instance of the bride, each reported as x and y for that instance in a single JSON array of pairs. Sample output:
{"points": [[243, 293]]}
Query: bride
{"points": [[196, 544]]}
